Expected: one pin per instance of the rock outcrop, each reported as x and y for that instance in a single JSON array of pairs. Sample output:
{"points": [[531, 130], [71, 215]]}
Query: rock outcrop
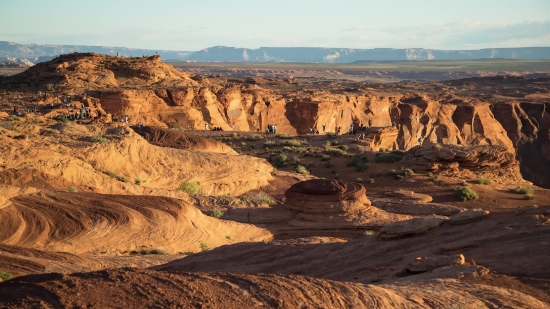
{"points": [[489, 161], [410, 227]]}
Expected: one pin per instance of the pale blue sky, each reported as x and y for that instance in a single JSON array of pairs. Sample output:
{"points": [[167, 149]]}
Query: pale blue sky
{"points": [[194, 25]]}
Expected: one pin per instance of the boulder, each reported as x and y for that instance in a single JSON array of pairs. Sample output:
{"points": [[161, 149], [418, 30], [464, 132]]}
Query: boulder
{"points": [[410, 227], [468, 216], [424, 264], [416, 209]]}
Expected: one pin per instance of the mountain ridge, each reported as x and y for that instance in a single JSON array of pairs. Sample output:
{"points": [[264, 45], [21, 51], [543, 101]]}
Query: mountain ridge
{"points": [[35, 53]]}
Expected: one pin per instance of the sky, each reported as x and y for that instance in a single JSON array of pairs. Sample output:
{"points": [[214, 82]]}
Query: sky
{"points": [[195, 25]]}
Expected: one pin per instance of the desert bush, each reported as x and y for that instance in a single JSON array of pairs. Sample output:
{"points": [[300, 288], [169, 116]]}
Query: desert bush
{"points": [[292, 142], [388, 157], [159, 251], [407, 172], [300, 169], [204, 246], [529, 196], [370, 233], [216, 213], [296, 160], [13, 118], [330, 134], [254, 137], [482, 181], [99, 139], [72, 189], [284, 136], [326, 145], [50, 87], [238, 151], [361, 167], [523, 190], [287, 148], [429, 174], [465, 194], [269, 143], [325, 158], [182, 129], [243, 144], [371, 180], [62, 118], [280, 161], [5, 276], [359, 180], [335, 152], [343, 147], [329, 164], [336, 176], [137, 181], [356, 159], [190, 187], [334, 143], [398, 176], [234, 135], [437, 146]]}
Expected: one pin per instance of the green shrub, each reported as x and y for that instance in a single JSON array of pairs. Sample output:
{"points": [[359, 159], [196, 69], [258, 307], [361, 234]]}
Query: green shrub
{"points": [[437, 146], [182, 129], [243, 144], [295, 160], [330, 134], [292, 142], [62, 118], [407, 172], [190, 187], [325, 158], [300, 169], [234, 135], [326, 145], [269, 143], [13, 118], [72, 189], [523, 190], [5, 276], [99, 139], [137, 181], [204, 246], [334, 143], [280, 161], [267, 200], [255, 137], [335, 152], [482, 181], [329, 164], [398, 176], [371, 180], [388, 158], [359, 180], [287, 148], [529, 196], [284, 136], [465, 194], [216, 213], [361, 167], [343, 147], [160, 251]]}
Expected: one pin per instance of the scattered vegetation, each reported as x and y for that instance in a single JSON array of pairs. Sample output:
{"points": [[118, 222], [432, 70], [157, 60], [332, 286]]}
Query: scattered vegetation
{"points": [[284, 136], [5, 276], [407, 172], [300, 169], [190, 187], [343, 147], [371, 180], [292, 143], [216, 213], [465, 194], [72, 189], [359, 180], [281, 159], [391, 157], [482, 181], [361, 167], [137, 181], [335, 152], [99, 139], [204, 246]]}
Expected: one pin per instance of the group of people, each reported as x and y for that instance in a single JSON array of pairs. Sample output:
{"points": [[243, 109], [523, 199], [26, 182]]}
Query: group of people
{"points": [[271, 129]]}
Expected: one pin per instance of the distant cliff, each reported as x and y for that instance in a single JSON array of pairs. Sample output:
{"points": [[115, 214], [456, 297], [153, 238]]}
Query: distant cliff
{"points": [[39, 53], [347, 55]]}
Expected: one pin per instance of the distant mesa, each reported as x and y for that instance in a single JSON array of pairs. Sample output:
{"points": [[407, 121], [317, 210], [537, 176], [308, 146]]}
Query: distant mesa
{"points": [[38, 53]]}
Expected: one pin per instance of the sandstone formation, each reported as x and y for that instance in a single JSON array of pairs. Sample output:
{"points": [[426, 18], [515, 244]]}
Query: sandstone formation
{"points": [[410, 227], [318, 207], [409, 196], [415, 209], [112, 167], [117, 289], [492, 162], [468, 216], [423, 264], [115, 224], [179, 140]]}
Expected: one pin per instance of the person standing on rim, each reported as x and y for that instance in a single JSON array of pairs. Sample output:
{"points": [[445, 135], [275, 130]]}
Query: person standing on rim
{"points": [[324, 128], [206, 127], [370, 123]]}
